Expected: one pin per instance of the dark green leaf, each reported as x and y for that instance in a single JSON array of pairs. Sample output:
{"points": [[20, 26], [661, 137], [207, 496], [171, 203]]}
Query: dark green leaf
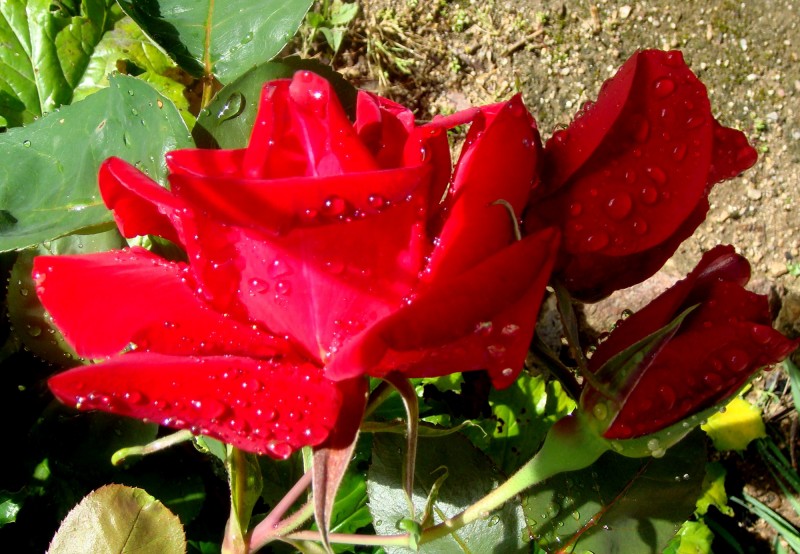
{"points": [[470, 476], [225, 39], [228, 120], [631, 505], [116, 518], [51, 188], [45, 53]]}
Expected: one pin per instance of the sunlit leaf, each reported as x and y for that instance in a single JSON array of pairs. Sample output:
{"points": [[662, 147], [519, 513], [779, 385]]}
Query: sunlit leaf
{"points": [[225, 39], [470, 476], [45, 53], [619, 504], [119, 519], [51, 188]]}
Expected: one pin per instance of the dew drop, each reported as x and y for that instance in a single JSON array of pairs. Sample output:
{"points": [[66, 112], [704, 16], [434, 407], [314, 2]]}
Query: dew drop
{"points": [[600, 411], [252, 385], [34, 330], [376, 201], [663, 87], [575, 209], [761, 334], [619, 205], [26, 143], [335, 206], [283, 288], [507, 372], [737, 360], [335, 267], [649, 195], [561, 137], [494, 520], [280, 450], [279, 268], [667, 396], [134, 397], [596, 241], [630, 177], [679, 152], [656, 174], [695, 121], [210, 408], [232, 107], [484, 328]]}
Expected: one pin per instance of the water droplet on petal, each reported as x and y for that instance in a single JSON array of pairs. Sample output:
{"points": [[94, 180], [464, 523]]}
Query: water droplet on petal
{"points": [[667, 396], [600, 411], [280, 450], [630, 176], [258, 286], [335, 206], [134, 397], [642, 131], [507, 372], [649, 195], [575, 209], [561, 137], [761, 334], [619, 205], [26, 143], [252, 385], [656, 174], [679, 152], [210, 408], [639, 226], [695, 121], [376, 201], [663, 87], [737, 360], [283, 288], [595, 241]]}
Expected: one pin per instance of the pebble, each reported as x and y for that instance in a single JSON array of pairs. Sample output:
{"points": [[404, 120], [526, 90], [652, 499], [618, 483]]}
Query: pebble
{"points": [[777, 269], [753, 194]]}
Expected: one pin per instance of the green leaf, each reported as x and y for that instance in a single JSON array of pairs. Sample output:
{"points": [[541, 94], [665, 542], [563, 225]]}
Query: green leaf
{"points": [[714, 491], [229, 118], [618, 504], [211, 37], [470, 476], [51, 188], [45, 54], [521, 417], [343, 13], [694, 537], [116, 518], [126, 48], [10, 505]]}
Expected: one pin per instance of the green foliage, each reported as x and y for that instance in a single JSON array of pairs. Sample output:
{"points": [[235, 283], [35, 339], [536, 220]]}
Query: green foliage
{"points": [[618, 504], [694, 537], [116, 518], [470, 475], [51, 188], [331, 20], [45, 54], [215, 38], [10, 504]]}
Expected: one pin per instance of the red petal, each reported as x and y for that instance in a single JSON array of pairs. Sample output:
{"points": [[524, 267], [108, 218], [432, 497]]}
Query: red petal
{"points": [[718, 264], [732, 154], [104, 302], [278, 205], [591, 277], [650, 170], [463, 323], [302, 130], [267, 407], [203, 162], [383, 126], [703, 365], [141, 206], [316, 284], [476, 227]]}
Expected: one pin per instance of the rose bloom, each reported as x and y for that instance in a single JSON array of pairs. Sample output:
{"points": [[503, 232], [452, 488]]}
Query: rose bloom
{"points": [[322, 252], [712, 353], [628, 181]]}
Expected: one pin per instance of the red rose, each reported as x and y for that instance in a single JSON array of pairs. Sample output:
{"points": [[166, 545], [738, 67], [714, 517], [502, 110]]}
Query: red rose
{"points": [[333, 237], [713, 352], [628, 181]]}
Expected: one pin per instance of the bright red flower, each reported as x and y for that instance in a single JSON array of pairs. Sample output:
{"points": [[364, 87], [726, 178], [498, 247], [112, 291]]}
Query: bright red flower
{"points": [[628, 181], [333, 237], [711, 355]]}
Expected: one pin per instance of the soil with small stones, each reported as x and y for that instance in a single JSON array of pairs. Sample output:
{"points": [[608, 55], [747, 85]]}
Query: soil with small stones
{"points": [[441, 56]]}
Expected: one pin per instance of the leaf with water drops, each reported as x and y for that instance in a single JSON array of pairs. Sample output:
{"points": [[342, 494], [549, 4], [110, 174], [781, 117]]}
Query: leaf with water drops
{"points": [[116, 518], [631, 505], [45, 53], [470, 476], [51, 188], [228, 120], [223, 39]]}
